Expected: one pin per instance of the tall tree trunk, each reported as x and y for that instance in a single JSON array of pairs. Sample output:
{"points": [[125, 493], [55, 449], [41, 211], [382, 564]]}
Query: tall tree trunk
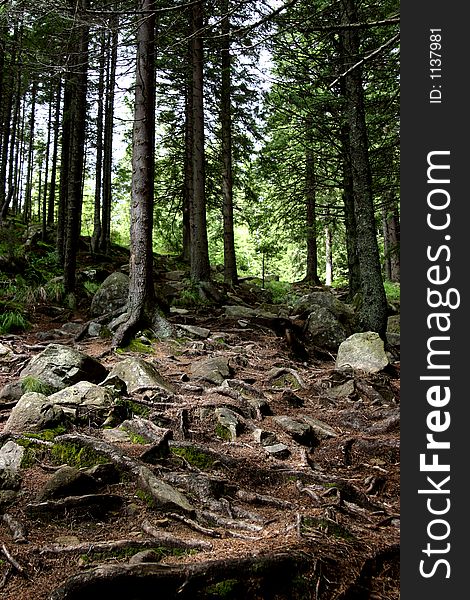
{"points": [[373, 310], [391, 233], [64, 169], [354, 271], [52, 185], [328, 254], [30, 168], [311, 275], [12, 149], [199, 268], [95, 238], [142, 300], [108, 139], [230, 261], [7, 104], [46, 175], [78, 112], [188, 167]]}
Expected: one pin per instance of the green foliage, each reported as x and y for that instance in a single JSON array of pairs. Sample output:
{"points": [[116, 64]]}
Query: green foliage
{"points": [[47, 435], [33, 384], [222, 432], [91, 287], [392, 291], [13, 321]]}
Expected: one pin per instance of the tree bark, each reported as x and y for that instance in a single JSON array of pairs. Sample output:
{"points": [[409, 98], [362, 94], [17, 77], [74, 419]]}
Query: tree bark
{"points": [[95, 238], [78, 110], [373, 309], [52, 185], [311, 275], [108, 139], [199, 267], [142, 300], [230, 261]]}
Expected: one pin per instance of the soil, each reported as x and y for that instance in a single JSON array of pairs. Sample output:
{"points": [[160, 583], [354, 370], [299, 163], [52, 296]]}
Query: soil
{"points": [[325, 519]]}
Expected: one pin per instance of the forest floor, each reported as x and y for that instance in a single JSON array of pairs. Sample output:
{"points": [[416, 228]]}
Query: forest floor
{"points": [[323, 522]]}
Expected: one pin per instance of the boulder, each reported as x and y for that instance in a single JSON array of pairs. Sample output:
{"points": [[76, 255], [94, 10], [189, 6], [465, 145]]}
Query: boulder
{"points": [[363, 352], [111, 295], [324, 329], [139, 375], [59, 366], [214, 369]]}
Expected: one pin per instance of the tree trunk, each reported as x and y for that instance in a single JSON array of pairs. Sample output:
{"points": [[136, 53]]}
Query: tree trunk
{"points": [[64, 169], [12, 149], [328, 255], [354, 271], [311, 275], [199, 268], [391, 232], [108, 139], [30, 168], [373, 310], [142, 299], [52, 185], [230, 261], [46, 175], [95, 238], [78, 112], [188, 193]]}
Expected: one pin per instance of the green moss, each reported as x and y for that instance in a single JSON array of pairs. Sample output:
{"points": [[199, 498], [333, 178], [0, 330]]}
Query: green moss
{"points": [[48, 435], [195, 458], [138, 346], [136, 438], [34, 452], [286, 380], [76, 456], [33, 384], [226, 589], [146, 498], [222, 432]]}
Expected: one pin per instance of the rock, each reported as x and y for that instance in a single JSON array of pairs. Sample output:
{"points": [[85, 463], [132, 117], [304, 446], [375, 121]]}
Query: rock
{"points": [[265, 438], [81, 398], [192, 331], [244, 312], [321, 430], [362, 351], [59, 366], [325, 299], [343, 390], [393, 324], [35, 412], [228, 419], [145, 556], [324, 330], [214, 369], [11, 455], [281, 377], [26, 413], [116, 436], [4, 351], [278, 451], [67, 481], [300, 431], [162, 494], [139, 375], [111, 295]]}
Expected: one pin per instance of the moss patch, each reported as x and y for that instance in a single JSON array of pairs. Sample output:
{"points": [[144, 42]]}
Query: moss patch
{"points": [[76, 456], [195, 457]]}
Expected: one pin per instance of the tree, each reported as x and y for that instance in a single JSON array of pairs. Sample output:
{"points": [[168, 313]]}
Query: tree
{"points": [[142, 300], [199, 260], [76, 81], [230, 261], [373, 308]]}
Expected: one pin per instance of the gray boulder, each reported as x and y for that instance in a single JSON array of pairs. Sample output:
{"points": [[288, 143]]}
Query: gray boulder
{"points": [[324, 329], [139, 375], [214, 369], [111, 295], [363, 352], [59, 366]]}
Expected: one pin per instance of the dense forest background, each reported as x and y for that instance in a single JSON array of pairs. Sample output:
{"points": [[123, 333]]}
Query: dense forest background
{"points": [[246, 138]]}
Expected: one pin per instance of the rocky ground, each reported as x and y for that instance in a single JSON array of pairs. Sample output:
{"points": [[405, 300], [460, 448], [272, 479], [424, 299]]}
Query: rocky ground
{"points": [[256, 475]]}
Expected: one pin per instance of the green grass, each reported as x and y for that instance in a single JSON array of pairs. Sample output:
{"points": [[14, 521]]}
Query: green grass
{"points": [[13, 321]]}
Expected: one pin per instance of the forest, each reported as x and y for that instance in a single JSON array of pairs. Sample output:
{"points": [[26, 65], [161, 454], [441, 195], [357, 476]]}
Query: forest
{"points": [[199, 211]]}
